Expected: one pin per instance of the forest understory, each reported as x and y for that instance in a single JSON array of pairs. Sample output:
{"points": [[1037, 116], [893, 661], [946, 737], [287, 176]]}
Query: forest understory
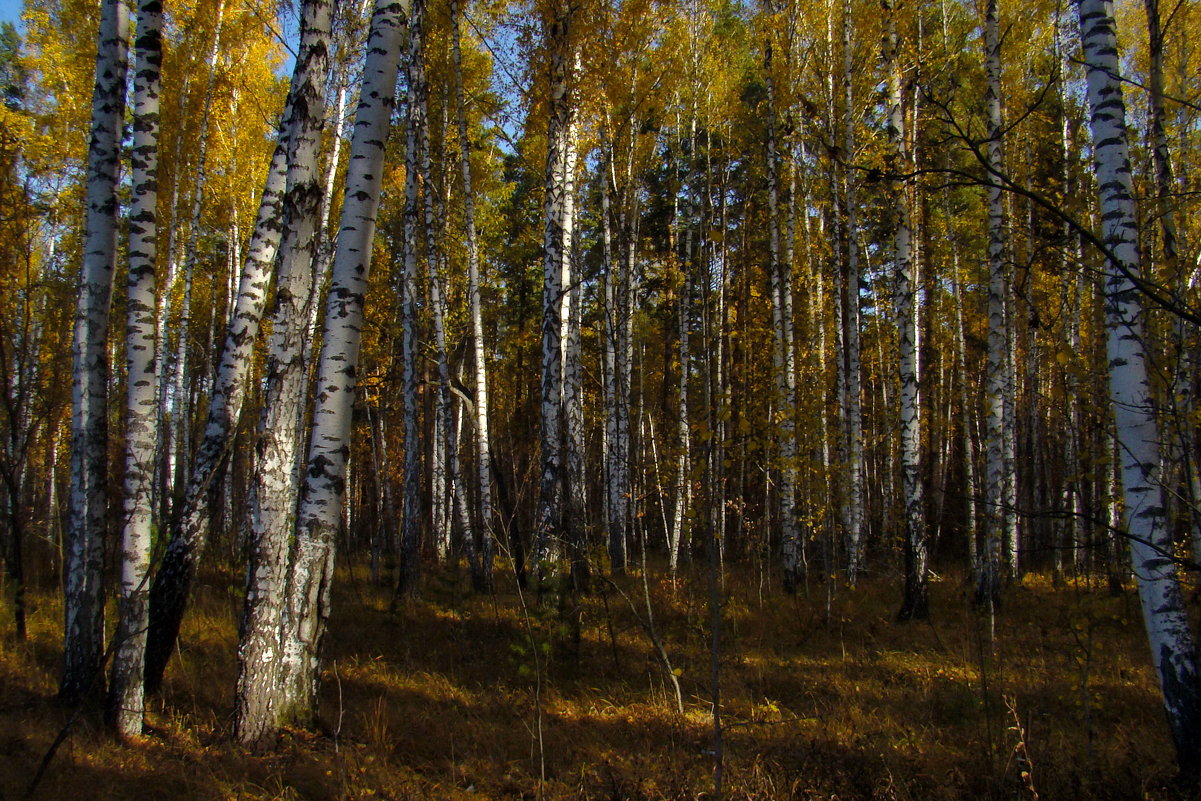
{"points": [[462, 696]]}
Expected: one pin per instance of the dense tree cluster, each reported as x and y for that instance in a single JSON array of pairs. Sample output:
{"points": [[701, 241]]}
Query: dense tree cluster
{"points": [[833, 288]]}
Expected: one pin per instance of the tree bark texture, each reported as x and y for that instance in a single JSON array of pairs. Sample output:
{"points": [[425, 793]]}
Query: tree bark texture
{"points": [[481, 563], [83, 637], [126, 701], [915, 603], [408, 573], [324, 489], [262, 702], [548, 518], [1173, 649], [989, 589]]}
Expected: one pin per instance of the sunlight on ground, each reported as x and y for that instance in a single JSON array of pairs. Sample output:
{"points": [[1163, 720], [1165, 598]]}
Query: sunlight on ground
{"points": [[456, 696]]}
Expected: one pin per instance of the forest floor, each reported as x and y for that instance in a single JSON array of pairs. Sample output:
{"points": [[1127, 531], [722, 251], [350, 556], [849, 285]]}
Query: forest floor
{"points": [[465, 697]]}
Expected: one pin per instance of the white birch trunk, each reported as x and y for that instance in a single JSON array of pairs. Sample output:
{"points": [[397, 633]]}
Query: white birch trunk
{"points": [[548, 518], [852, 400], [617, 421], [482, 564], [915, 604], [442, 466], [965, 404], [988, 589], [1010, 529], [126, 701], [783, 360], [323, 494], [262, 705], [1173, 650], [83, 630], [575, 528]]}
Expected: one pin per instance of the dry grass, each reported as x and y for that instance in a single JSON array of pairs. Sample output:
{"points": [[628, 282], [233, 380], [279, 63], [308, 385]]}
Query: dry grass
{"points": [[822, 699]]}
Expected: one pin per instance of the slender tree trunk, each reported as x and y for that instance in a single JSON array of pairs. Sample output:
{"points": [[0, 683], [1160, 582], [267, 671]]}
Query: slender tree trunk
{"points": [[988, 589], [481, 566], [1011, 532], [575, 491], [1173, 650], [852, 401], [1164, 180], [681, 488], [409, 571], [323, 493], [783, 362], [1180, 453], [262, 704], [617, 397], [441, 457], [126, 702], [1075, 529], [970, 485], [548, 518], [83, 639], [916, 604]]}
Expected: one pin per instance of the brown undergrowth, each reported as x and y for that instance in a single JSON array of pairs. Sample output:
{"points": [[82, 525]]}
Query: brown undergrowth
{"points": [[464, 697]]}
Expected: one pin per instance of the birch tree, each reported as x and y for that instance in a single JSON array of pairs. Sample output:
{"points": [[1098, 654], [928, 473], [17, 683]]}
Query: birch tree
{"points": [[444, 459], [783, 358], [548, 518], [83, 607], [989, 589], [617, 378], [176, 437], [126, 703], [407, 574], [915, 604], [572, 312], [481, 558], [323, 493], [1173, 648], [852, 398], [261, 699]]}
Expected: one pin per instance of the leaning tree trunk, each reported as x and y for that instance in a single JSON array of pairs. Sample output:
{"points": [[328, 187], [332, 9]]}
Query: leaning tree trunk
{"points": [[126, 701], [915, 604], [1173, 650], [190, 529], [83, 607], [261, 701], [989, 587], [323, 494]]}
